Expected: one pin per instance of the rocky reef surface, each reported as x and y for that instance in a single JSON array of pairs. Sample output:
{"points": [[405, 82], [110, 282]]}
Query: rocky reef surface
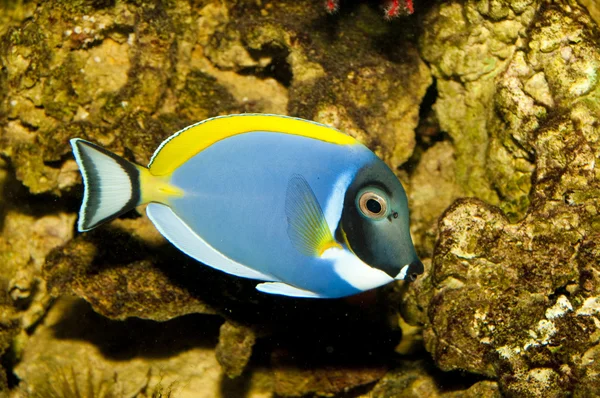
{"points": [[488, 111]]}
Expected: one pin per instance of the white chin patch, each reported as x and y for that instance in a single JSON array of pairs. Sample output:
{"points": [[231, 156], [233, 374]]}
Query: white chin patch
{"points": [[351, 269], [402, 273]]}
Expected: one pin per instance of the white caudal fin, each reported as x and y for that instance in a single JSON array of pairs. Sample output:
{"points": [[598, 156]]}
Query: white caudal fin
{"points": [[112, 184]]}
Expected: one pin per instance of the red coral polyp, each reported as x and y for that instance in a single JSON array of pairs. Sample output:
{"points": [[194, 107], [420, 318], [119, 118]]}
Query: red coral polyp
{"points": [[392, 9], [332, 6]]}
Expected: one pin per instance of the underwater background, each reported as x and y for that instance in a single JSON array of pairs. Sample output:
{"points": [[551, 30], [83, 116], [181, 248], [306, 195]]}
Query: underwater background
{"points": [[487, 110]]}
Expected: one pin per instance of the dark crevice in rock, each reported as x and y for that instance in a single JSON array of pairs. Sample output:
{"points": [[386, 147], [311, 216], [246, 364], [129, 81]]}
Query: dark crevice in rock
{"points": [[560, 291], [278, 69], [455, 380], [7, 364], [16, 195], [122, 340], [101, 4], [428, 132]]}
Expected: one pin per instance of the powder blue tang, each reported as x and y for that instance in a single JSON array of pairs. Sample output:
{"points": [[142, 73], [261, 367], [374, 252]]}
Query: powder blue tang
{"points": [[304, 208]]}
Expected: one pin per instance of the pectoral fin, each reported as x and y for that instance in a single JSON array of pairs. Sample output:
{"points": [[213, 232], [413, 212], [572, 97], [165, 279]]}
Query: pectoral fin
{"points": [[307, 227]]}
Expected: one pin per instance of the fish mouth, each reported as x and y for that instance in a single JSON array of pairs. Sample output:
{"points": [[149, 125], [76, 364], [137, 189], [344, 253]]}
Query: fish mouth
{"points": [[411, 271]]}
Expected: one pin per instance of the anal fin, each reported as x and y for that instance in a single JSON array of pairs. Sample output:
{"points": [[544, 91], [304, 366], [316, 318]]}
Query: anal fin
{"points": [[284, 289], [185, 239]]}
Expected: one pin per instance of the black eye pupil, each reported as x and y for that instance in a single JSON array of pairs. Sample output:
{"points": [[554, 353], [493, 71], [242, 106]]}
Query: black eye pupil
{"points": [[373, 206]]}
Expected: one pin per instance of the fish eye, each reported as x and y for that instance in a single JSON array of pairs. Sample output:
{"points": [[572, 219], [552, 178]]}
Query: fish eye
{"points": [[372, 204]]}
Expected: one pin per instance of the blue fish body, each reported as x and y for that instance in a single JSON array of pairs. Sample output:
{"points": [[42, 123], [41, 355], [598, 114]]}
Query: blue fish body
{"points": [[238, 206], [290, 208]]}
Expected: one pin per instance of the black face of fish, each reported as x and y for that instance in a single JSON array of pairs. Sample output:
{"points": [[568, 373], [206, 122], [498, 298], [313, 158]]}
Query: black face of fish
{"points": [[375, 221]]}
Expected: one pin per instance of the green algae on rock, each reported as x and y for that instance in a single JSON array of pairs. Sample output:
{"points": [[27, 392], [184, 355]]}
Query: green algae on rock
{"points": [[90, 69], [517, 301], [56, 76], [468, 46]]}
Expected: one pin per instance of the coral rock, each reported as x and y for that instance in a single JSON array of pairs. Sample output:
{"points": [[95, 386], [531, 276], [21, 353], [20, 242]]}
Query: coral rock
{"points": [[514, 298], [234, 348]]}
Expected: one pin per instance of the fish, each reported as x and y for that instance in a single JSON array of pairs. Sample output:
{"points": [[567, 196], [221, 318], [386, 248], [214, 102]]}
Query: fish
{"points": [[306, 210]]}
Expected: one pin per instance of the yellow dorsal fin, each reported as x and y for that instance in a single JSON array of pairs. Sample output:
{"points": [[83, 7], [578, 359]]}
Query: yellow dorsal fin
{"points": [[186, 143]]}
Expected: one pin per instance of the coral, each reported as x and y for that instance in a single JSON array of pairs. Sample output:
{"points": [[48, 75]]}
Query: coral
{"points": [[69, 383], [13, 13], [61, 381], [27, 235], [468, 47], [127, 75], [295, 377], [435, 188], [392, 9], [79, 350], [137, 287], [515, 301], [188, 75], [415, 380], [234, 348], [593, 7], [25, 242]]}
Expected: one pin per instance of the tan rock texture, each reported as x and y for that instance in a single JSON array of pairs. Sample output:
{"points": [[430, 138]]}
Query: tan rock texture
{"points": [[77, 353], [512, 294]]}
